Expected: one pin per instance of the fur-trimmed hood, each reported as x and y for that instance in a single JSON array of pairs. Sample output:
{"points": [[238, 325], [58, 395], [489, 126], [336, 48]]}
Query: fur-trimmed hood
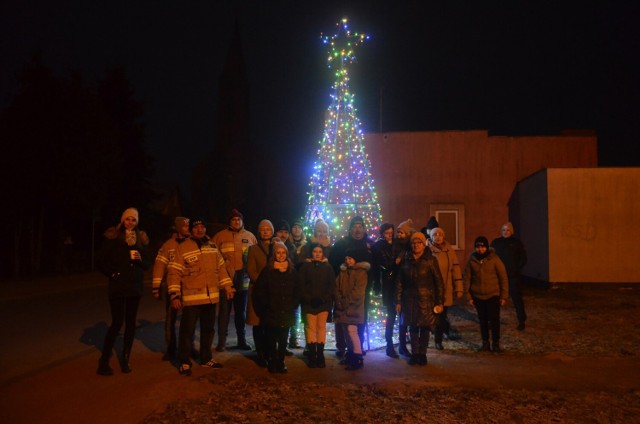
{"points": [[112, 233], [359, 265]]}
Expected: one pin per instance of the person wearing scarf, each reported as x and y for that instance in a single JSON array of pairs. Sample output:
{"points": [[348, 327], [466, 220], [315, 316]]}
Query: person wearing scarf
{"points": [[275, 298], [256, 261]]}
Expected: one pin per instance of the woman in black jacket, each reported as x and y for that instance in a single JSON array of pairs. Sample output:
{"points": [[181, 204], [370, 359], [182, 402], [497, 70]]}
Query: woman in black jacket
{"points": [[419, 296], [384, 274], [123, 259]]}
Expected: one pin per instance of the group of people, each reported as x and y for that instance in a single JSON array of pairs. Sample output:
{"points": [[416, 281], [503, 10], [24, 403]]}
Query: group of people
{"points": [[281, 277]]}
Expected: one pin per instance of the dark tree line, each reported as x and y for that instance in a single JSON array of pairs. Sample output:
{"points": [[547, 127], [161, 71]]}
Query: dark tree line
{"points": [[73, 158]]}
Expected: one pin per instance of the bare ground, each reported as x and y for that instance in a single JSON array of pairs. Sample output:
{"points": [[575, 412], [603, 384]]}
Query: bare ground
{"points": [[577, 362], [545, 374]]}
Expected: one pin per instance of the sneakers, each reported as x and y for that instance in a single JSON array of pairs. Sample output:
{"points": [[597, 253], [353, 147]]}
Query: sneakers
{"points": [[212, 364], [439, 346], [185, 369], [485, 347]]}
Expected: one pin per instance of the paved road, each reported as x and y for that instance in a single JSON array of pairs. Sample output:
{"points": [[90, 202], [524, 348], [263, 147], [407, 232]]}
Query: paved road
{"points": [[49, 322]]}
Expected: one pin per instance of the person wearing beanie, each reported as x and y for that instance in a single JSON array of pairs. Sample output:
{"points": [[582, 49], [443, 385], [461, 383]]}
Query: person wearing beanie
{"points": [[452, 277], [282, 225], [487, 288], [511, 252], [130, 213], [356, 239], [384, 272], [196, 278], [167, 254], [235, 213], [401, 248], [356, 220], [256, 261], [317, 288], [297, 240], [349, 310], [234, 242], [405, 229], [418, 236], [123, 259], [431, 224], [276, 296], [283, 232], [419, 296]]}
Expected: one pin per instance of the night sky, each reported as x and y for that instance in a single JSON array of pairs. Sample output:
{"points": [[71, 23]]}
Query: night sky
{"points": [[514, 68]]}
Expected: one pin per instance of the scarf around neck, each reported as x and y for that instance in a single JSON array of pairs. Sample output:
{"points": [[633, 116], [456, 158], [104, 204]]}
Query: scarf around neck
{"points": [[281, 266]]}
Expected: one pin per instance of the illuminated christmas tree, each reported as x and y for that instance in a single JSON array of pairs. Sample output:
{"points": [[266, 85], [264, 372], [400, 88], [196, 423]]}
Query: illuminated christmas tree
{"points": [[342, 186]]}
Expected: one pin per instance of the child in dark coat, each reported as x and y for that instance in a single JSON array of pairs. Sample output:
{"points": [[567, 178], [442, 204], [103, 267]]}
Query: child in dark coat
{"points": [[275, 299], [317, 285], [351, 286]]}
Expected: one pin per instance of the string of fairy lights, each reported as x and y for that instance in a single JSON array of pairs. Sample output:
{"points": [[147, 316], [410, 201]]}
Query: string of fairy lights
{"points": [[342, 185]]}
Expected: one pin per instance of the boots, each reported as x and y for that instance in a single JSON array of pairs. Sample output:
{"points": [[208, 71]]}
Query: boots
{"points": [[485, 346], [272, 365], [402, 346], [391, 352], [242, 343], [222, 342], [261, 360], [437, 338], [125, 367], [280, 366], [415, 347], [355, 363], [103, 366], [422, 359], [320, 355], [346, 359], [312, 357]]}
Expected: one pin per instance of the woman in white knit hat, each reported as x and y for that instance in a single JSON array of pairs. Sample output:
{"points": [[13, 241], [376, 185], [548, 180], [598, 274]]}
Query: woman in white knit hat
{"points": [[123, 260]]}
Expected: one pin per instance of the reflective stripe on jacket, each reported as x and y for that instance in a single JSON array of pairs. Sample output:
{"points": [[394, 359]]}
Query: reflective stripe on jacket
{"points": [[197, 273]]}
